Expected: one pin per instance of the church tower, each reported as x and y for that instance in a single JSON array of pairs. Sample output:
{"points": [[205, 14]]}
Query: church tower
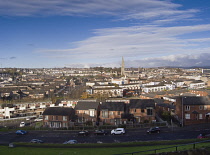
{"points": [[123, 67]]}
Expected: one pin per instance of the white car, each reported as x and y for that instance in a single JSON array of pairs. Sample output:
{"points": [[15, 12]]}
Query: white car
{"points": [[118, 131], [36, 141], [71, 142], [38, 119], [22, 124]]}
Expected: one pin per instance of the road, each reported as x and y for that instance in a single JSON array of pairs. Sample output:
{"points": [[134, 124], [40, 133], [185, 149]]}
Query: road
{"points": [[131, 135]]}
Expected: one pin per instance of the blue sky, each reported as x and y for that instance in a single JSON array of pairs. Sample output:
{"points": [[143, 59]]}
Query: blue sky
{"points": [[88, 33]]}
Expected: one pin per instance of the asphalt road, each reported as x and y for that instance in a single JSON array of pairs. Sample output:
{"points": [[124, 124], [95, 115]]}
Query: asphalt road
{"points": [[130, 136]]}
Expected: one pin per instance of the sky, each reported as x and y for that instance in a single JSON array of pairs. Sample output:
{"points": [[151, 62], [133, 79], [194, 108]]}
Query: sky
{"points": [[93, 33]]}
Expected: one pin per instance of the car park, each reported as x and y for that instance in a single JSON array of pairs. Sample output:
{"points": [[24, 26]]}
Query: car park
{"points": [[100, 132], [118, 131], [72, 141], [153, 130], [21, 132], [83, 133], [36, 141]]}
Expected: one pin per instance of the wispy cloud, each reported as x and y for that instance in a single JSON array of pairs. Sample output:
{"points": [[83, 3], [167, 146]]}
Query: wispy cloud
{"points": [[12, 58], [123, 9], [137, 41], [180, 60]]}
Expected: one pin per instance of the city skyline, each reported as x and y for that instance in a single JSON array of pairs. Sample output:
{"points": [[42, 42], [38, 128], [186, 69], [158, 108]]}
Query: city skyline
{"points": [[147, 33]]}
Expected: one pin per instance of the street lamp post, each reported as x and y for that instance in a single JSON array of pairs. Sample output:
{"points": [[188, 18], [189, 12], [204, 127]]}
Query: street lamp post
{"points": [[182, 111]]}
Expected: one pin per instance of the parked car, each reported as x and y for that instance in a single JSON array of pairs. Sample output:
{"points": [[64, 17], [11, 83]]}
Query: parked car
{"points": [[22, 124], [203, 135], [153, 130], [36, 141], [72, 141], [100, 132], [38, 119], [83, 133], [21, 132], [118, 131]]}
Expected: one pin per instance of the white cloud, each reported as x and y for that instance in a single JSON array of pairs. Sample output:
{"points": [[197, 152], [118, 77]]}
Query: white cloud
{"points": [[186, 60], [136, 42], [123, 9]]}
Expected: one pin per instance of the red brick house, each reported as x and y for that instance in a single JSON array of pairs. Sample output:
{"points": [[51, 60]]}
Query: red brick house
{"points": [[58, 117], [87, 111], [112, 113], [192, 109], [142, 110]]}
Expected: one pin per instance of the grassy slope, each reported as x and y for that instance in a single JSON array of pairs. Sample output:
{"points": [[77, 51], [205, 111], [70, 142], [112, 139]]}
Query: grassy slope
{"points": [[4, 150]]}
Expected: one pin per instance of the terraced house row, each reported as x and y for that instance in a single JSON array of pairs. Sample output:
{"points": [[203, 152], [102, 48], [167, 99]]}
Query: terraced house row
{"points": [[185, 110], [100, 113]]}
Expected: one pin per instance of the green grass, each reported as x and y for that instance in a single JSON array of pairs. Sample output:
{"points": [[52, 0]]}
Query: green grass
{"points": [[106, 150]]}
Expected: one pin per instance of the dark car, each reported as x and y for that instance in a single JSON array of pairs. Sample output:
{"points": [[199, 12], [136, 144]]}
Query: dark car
{"points": [[153, 130], [21, 132], [203, 135], [100, 132], [83, 133], [36, 141]]}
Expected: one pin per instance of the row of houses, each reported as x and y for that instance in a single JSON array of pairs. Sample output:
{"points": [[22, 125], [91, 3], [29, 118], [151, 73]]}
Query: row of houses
{"points": [[186, 110], [98, 113], [116, 87]]}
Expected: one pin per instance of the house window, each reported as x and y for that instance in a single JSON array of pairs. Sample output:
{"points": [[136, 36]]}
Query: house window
{"points": [[205, 107], [149, 112], [105, 113], [64, 125], [64, 118], [200, 116], [92, 113], [53, 117], [134, 110], [111, 113], [200, 107], [46, 117], [142, 110], [187, 108], [187, 116], [56, 117], [118, 112]]}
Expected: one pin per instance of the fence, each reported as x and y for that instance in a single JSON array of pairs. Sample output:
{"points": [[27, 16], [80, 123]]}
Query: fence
{"points": [[171, 147]]}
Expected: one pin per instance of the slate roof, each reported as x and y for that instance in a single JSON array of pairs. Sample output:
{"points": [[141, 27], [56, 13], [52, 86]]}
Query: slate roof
{"points": [[60, 111], [166, 105], [86, 105], [141, 103], [113, 106], [195, 100]]}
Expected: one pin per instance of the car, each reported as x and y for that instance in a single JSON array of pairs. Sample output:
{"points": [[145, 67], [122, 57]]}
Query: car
{"points": [[153, 130], [100, 132], [83, 133], [38, 119], [36, 141], [72, 141], [22, 124], [203, 135], [21, 132], [118, 131]]}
